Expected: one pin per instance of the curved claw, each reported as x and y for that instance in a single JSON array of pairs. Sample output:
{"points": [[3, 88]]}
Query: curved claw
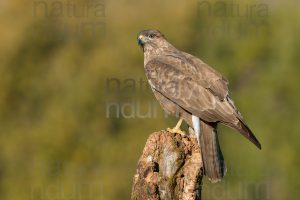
{"points": [[176, 130]]}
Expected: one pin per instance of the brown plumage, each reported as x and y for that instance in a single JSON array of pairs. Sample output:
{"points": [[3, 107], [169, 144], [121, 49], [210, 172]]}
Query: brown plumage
{"points": [[185, 86]]}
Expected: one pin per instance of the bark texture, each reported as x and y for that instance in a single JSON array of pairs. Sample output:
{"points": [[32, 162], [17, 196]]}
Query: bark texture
{"points": [[170, 168]]}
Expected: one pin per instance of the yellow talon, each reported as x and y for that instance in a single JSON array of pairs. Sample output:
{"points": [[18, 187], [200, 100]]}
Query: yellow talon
{"points": [[176, 129], [173, 130]]}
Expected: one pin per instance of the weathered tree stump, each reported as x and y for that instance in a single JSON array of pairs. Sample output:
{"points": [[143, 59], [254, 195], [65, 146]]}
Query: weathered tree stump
{"points": [[170, 168]]}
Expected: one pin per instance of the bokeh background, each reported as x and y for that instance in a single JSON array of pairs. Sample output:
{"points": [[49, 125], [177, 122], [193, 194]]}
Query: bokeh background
{"points": [[75, 111]]}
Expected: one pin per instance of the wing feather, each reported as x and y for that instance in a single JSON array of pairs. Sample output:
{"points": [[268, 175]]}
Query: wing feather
{"points": [[187, 92], [216, 82], [192, 96]]}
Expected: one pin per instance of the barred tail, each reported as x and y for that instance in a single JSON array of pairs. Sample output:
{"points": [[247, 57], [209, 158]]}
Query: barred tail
{"points": [[213, 160]]}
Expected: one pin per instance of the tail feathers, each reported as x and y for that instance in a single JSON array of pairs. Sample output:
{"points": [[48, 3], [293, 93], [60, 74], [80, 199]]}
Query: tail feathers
{"points": [[214, 165]]}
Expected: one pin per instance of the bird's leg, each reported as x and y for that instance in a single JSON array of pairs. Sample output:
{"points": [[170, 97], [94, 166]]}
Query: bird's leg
{"points": [[177, 129]]}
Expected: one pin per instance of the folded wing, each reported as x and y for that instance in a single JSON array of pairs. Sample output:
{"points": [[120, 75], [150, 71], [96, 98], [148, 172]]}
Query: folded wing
{"points": [[182, 83]]}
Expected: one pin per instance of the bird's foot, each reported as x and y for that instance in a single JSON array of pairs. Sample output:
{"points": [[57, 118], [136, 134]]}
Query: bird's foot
{"points": [[176, 130]]}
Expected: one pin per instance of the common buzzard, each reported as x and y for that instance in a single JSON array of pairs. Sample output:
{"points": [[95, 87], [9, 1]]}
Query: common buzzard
{"points": [[186, 86]]}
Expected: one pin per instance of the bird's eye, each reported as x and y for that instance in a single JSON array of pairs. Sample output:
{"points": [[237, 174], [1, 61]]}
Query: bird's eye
{"points": [[151, 35]]}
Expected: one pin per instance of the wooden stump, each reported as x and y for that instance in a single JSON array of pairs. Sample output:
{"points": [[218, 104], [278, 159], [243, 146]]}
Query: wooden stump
{"points": [[170, 168]]}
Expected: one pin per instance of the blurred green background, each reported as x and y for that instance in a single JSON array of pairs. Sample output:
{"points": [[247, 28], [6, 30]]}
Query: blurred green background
{"points": [[73, 124]]}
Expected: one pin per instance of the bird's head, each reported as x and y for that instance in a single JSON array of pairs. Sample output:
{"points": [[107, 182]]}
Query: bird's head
{"points": [[150, 37]]}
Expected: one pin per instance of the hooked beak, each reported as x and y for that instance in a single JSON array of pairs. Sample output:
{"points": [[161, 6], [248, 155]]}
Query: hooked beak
{"points": [[141, 40]]}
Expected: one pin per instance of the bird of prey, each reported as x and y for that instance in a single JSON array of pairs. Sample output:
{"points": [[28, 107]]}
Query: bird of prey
{"points": [[187, 87]]}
